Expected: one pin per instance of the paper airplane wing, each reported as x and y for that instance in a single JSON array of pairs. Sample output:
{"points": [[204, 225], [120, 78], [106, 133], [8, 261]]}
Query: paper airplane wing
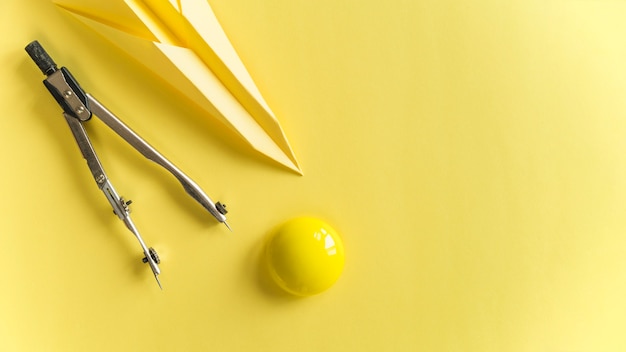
{"points": [[183, 43]]}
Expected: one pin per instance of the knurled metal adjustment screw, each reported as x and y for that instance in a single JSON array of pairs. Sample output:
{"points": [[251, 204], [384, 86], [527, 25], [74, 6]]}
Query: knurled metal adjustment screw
{"points": [[153, 255], [221, 208], [125, 203]]}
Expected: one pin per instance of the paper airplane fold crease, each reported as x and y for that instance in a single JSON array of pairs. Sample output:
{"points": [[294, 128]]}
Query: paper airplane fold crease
{"points": [[182, 42]]}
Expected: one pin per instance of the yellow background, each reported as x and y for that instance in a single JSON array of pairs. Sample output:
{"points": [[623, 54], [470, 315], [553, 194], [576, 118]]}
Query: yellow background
{"points": [[471, 154]]}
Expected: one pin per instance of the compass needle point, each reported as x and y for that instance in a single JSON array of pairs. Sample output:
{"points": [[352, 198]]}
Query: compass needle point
{"points": [[158, 282]]}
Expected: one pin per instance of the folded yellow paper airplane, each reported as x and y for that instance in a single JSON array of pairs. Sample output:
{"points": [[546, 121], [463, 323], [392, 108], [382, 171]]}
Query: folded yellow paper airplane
{"points": [[182, 42]]}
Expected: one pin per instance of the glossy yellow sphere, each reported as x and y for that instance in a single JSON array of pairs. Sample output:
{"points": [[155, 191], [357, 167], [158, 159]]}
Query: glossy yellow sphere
{"points": [[305, 256]]}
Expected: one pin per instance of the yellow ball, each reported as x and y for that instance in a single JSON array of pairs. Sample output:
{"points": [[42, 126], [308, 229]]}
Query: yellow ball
{"points": [[305, 256]]}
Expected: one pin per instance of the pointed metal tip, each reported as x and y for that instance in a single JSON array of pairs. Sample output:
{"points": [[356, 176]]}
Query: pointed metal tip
{"points": [[158, 282], [229, 229]]}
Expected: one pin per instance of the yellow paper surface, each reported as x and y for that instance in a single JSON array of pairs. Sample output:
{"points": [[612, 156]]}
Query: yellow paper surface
{"points": [[470, 153]]}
